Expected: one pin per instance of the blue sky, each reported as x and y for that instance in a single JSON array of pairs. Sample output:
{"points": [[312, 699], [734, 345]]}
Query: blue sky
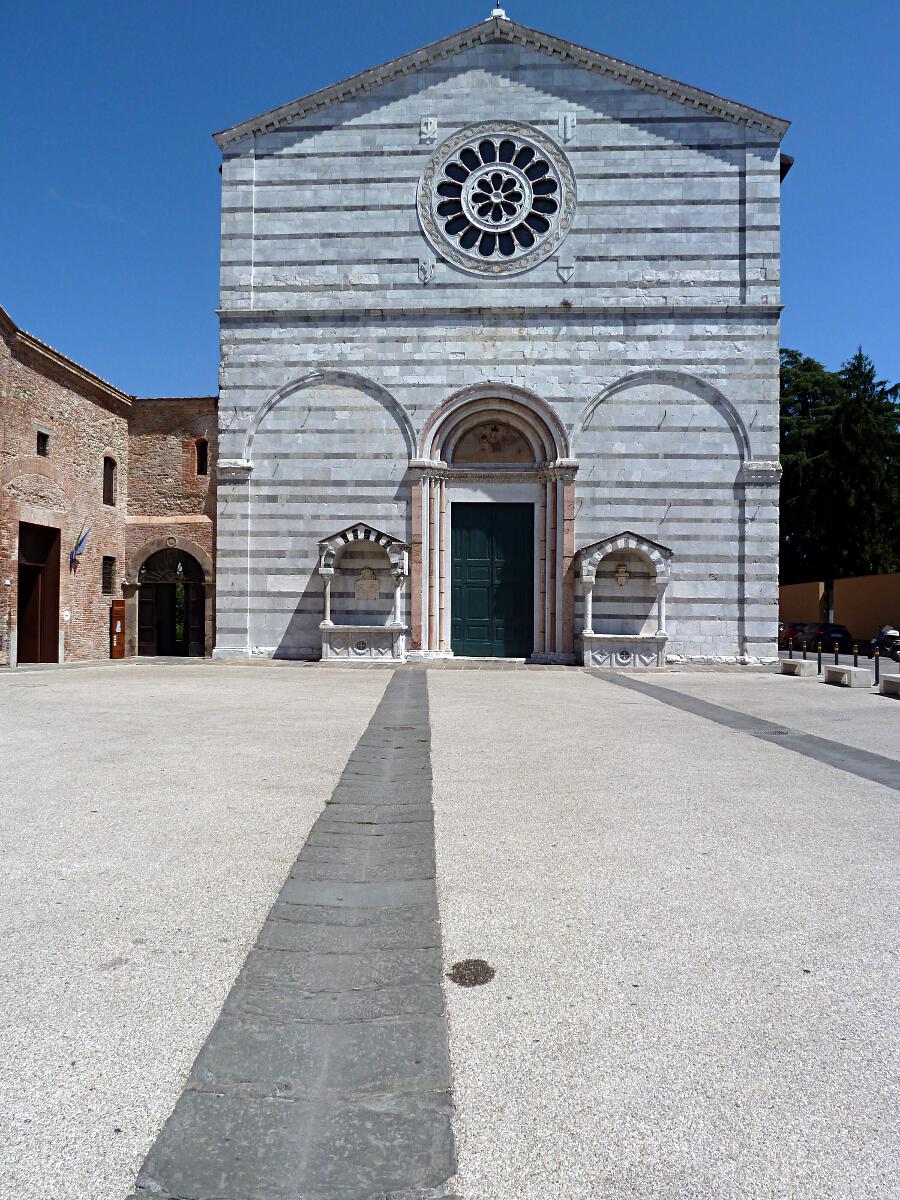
{"points": [[108, 208]]}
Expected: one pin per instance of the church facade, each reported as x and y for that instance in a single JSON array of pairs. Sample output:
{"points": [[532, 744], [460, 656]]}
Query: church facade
{"points": [[499, 373]]}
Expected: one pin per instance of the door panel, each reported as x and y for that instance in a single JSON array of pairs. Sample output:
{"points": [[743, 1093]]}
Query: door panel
{"points": [[37, 624], [29, 622], [492, 580], [171, 619], [196, 619], [147, 619]]}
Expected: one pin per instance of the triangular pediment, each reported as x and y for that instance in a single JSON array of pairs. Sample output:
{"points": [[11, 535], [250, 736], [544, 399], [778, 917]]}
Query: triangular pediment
{"points": [[499, 29]]}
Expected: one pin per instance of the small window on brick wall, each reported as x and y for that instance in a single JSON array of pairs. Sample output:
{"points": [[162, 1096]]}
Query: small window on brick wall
{"points": [[202, 451], [109, 481], [109, 575], [43, 443]]}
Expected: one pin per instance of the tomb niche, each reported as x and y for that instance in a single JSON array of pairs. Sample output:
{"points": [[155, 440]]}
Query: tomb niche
{"points": [[623, 582], [363, 571]]}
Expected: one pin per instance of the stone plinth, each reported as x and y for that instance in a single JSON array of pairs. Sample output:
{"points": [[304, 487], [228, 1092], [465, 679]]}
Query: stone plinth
{"points": [[623, 650], [363, 643]]}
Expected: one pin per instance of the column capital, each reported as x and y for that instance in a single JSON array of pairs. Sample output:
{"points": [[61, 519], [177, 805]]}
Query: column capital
{"points": [[233, 470]]}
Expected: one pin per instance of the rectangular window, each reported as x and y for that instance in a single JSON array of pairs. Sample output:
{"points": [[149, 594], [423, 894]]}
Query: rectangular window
{"points": [[202, 456], [109, 481], [109, 575], [43, 443]]}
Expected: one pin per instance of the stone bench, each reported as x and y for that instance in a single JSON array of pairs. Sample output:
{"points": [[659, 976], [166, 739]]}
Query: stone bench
{"points": [[890, 685], [849, 676], [798, 666]]}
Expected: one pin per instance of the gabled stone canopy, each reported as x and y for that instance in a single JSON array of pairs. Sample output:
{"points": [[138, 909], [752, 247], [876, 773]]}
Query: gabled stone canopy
{"points": [[330, 547], [499, 29], [589, 558]]}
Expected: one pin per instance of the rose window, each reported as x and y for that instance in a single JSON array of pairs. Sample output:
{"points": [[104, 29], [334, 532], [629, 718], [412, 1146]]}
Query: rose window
{"points": [[498, 198]]}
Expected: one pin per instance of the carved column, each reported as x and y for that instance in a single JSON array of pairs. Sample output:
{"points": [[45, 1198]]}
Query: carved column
{"points": [[589, 609], [397, 610]]}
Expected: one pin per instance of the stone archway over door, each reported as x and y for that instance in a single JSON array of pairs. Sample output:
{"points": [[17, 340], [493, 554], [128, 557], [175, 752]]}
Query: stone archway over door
{"points": [[171, 605], [493, 445]]}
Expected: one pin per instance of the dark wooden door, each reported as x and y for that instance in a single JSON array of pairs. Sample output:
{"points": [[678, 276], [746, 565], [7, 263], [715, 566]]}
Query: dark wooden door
{"points": [[492, 580], [147, 619], [30, 612], [37, 624], [171, 618], [195, 618]]}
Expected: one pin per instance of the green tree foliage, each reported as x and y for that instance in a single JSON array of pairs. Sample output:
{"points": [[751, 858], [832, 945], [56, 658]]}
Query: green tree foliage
{"points": [[840, 453]]}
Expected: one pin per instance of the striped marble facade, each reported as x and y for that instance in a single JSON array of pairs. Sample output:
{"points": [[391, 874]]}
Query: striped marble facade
{"points": [[650, 338]]}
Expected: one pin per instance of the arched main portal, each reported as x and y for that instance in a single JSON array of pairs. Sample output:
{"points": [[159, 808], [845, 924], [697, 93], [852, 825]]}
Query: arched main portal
{"points": [[492, 529], [171, 605]]}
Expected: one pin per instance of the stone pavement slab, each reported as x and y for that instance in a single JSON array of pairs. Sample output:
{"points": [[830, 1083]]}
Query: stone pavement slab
{"points": [[150, 815], [864, 763], [858, 717], [693, 933], [327, 1074]]}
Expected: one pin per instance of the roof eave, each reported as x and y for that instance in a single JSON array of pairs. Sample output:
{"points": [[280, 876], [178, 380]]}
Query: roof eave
{"points": [[499, 29], [48, 358]]}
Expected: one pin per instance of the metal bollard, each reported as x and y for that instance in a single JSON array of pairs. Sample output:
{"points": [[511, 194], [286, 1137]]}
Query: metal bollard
{"points": [[855, 655], [836, 652], [877, 664], [819, 656], [790, 647], [804, 649]]}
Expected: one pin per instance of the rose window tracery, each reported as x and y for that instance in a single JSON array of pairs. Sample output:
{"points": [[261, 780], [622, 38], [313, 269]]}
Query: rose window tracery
{"points": [[497, 198]]}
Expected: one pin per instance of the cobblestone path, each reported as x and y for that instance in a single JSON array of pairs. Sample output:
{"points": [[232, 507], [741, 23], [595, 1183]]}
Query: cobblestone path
{"points": [[327, 1074]]}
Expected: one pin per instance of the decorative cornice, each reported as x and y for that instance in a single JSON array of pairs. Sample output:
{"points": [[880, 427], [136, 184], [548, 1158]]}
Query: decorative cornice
{"points": [[761, 470], [499, 29], [234, 470], [316, 316], [564, 469]]}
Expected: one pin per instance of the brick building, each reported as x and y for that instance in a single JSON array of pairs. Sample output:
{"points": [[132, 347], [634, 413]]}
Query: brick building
{"points": [[103, 496], [500, 328]]}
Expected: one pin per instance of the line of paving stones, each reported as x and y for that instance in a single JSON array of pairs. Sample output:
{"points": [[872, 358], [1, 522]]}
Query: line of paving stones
{"points": [[875, 767], [327, 1073]]}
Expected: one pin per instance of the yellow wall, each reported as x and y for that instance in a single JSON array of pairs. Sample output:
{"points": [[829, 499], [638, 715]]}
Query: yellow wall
{"points": [[864, 603], [801, 602], [867, 602]]}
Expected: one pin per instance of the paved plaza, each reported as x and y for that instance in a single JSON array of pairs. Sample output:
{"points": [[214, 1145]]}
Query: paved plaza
{"points": [[226, 953]]}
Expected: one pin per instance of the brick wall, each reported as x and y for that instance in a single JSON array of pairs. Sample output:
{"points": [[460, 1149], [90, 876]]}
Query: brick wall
{"points": [[64, 490], [167, 499], [160, 500]]}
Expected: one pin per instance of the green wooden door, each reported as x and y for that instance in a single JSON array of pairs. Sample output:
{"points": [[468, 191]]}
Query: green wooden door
{"points": [[492, 580]]}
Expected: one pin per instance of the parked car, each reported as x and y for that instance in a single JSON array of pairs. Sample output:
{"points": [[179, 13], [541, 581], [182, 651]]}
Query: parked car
{"points": [[829, 634], [887, 642], [792, 631]]}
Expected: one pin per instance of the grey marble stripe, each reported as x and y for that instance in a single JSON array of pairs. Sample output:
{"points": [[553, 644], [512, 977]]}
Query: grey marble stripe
{"points": [[863, 763], [327, 1073]]}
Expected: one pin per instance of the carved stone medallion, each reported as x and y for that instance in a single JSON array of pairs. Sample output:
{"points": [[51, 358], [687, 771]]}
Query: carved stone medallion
{"points": [[366, 585]]}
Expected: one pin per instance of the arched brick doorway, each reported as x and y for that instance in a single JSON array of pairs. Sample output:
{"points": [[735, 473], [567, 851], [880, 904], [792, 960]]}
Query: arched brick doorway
{"points": [[171, 605]]}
